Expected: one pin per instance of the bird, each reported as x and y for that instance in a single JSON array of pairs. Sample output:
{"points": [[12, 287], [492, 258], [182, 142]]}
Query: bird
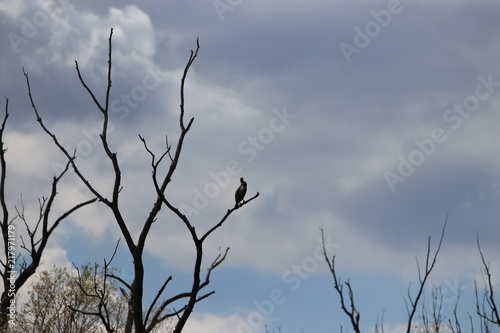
{"points": [[240, 192]]}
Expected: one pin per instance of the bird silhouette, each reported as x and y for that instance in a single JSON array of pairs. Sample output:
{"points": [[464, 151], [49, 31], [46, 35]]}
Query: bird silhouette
{"points": [[240, 192]]}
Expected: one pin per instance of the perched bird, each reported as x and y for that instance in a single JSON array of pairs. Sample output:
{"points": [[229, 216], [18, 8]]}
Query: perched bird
{"points": [[240, 192]]}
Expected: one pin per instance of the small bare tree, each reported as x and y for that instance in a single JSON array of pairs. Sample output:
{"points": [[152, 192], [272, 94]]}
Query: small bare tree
{"points": [[430, 262], [348, 306], [487, 308], [15, 266], [349, 309], [144, 320], [433, 320]]}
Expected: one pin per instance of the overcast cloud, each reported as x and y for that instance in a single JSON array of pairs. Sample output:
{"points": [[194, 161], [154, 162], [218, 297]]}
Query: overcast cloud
{"points": [[375, 120]]}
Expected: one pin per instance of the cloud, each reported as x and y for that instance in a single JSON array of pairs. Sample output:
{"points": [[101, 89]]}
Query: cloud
{"points": [[55, 32], [55, 256], [52, 257], [352, 123], [211, 323]]}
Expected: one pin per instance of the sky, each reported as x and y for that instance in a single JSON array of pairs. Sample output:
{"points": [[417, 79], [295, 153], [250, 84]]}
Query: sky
{"points": [[374, 120]]}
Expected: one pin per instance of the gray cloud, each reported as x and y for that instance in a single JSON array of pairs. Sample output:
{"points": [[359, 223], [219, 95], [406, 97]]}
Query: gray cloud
{"points": [[353, 121]]}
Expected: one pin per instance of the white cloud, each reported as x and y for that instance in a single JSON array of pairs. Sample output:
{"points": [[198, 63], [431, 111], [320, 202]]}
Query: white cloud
{"points": [[13, 10], [67, 34], [210, 323], [52, 257], [24, 151], [353, 121]]}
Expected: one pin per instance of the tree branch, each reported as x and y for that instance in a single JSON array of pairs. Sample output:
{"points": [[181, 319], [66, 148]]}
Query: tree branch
{"points": [[489, 293], [36, 246], [429, 266], [353, 314]]}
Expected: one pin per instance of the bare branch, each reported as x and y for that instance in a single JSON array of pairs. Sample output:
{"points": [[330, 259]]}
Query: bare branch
{"points": [[192, 57], [160, 291], [455, 327], [353, 314], [71, 157], [39, 235], [3, 175], [381, 323], [429, 266], [99, 292], [229, 211], [489, 293], [136, 319]]}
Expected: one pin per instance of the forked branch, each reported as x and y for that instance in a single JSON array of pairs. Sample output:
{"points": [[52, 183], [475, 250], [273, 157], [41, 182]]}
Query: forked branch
{"points": [[489, 310], [430, 261], [349, 309], [38, 235]]}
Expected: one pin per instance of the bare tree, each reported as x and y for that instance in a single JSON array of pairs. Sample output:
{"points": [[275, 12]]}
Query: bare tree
{"points": [[347, 303], [145, 320], [349, 309], [15, 267], [454, 324], [430, 262], [380, 323], [433, 320], [486, 309]]}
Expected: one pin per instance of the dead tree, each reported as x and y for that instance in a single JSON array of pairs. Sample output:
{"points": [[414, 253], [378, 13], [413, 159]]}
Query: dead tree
{"points": [[15, 267], [430, 262], [487, 310], [348, 306], [433, 320], [145, 320], [349, 309], [454, 325]]}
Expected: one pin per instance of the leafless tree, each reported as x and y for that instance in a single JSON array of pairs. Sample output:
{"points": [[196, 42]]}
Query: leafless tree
{"points": [[454, 325], [430, 262], [433, 319], [20, 260], [347, 303], [379, 326], [487, 308], [144, 320], [349, 309]]}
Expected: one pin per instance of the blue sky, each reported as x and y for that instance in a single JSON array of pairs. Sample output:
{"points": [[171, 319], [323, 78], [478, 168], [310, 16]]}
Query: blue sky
{"points": [[373, 119]]}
